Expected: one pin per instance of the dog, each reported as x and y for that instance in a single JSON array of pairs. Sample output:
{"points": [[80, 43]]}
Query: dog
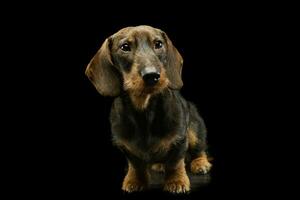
{"points": [[151, 123]]}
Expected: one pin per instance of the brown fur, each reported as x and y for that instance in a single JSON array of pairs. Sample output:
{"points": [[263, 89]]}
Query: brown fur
{"points": [[178, 181], [158, 167], [134, 181], [165, 143], [201, 164], [106, 78], [192, 138], [139, 94], [101, 72]]}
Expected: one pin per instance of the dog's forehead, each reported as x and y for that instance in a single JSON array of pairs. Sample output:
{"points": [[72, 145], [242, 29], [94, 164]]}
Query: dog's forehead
{"points": [[137, 31]]}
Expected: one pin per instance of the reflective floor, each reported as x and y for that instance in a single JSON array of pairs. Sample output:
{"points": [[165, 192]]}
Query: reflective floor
{"points": [[196, 180]]}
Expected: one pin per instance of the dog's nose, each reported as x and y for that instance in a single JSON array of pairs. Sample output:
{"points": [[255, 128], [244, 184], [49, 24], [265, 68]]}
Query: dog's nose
{"points": [[150, 75]]}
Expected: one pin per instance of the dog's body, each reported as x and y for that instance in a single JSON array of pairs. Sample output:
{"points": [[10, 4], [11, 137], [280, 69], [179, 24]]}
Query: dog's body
{"points": [[151, 122]]}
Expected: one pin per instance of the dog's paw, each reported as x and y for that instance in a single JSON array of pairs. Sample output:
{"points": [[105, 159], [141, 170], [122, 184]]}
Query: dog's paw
{"points": [[200, 165], [179, 185], [132, 185], [158, 167]]}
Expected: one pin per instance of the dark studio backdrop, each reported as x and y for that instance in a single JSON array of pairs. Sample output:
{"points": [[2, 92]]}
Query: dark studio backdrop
{"points": [[224, 51], [217, 68]]}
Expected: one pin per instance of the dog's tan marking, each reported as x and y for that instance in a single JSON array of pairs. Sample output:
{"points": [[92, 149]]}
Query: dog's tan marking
{"points": [[162, 146], [158, 167], [192, 138], [165, 143], [129, 147], [138, 92], [178, 182], [132, 182], [140, 102], [201, 164]]}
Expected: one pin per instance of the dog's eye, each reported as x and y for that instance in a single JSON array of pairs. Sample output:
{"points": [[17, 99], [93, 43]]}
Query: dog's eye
{"points": [[158, 44], [125, 47]]}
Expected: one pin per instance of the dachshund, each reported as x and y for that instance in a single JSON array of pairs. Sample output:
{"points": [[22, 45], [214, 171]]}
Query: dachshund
{"points": [[151, 123]]}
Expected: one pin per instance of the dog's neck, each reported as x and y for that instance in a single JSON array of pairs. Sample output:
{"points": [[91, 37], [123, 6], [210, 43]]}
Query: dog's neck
{"points": [[140, 102]]}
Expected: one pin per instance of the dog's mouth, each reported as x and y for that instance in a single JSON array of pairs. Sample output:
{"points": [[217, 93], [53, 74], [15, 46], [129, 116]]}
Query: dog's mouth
{"points": [[149, 89], [157, 88], [138, 86]]}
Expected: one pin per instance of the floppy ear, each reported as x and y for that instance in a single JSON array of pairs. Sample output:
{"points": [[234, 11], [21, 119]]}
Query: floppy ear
{"points": [[174, 65], [102, 73]]}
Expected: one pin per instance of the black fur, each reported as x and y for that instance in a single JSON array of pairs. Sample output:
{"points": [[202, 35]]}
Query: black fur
{"points": [[167, 113]]}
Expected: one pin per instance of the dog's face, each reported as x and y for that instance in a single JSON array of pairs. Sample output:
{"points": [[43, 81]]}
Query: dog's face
{"points": [[140, 60]]}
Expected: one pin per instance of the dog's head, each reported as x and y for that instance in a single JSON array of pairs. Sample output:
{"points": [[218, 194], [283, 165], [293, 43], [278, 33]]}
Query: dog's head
{"points": [[140, 60]]}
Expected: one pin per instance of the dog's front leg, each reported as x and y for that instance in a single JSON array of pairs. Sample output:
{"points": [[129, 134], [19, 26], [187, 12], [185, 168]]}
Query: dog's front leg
{"points": [[136, 178], [176, 179]]}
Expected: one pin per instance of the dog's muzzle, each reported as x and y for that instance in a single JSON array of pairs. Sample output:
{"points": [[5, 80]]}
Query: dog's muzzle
{"points": [[150, 75]]}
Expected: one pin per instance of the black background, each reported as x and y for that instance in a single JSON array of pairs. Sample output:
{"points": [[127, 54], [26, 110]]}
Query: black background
{"points": [[68, 148]]}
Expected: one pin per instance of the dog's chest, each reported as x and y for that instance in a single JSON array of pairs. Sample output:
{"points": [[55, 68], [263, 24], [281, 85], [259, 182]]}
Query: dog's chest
{"points": [[148, 136], [150, 149]]}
